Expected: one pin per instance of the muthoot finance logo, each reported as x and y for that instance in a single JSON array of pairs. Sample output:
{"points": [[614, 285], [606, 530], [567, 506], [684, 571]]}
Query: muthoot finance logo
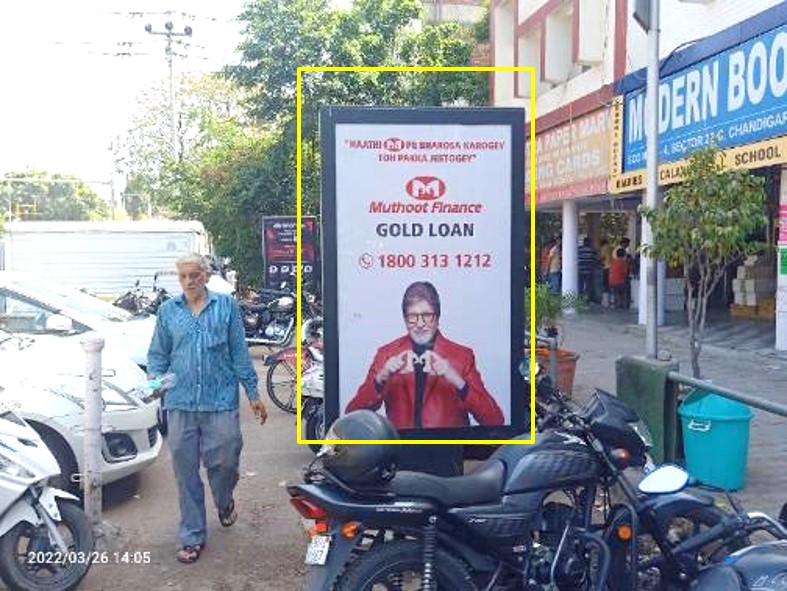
{"points": [[425, 188]]}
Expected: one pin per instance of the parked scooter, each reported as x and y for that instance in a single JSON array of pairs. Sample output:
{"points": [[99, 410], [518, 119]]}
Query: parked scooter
{"points": [[46, 540]]}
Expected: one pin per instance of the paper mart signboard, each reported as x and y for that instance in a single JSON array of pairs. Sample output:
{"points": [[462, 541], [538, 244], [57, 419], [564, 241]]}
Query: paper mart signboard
{"points": [[426, 203]]}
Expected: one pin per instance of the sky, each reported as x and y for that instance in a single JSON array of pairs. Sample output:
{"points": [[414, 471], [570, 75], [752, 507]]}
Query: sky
{"points": [[66, 94]]}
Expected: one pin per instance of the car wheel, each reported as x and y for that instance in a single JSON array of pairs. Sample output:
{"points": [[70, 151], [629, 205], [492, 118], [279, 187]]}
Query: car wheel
{"points": [[65, 459]]}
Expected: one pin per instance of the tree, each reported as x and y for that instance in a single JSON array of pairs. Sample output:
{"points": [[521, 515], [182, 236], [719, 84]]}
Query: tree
{"points": [[50, 197], [236, 165], [705, 224], [284, 35], [280, 36], [150, 157]]}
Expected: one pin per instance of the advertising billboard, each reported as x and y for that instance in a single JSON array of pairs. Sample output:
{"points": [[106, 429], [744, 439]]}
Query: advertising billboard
{"points": [[279, 249], [423, 222]]}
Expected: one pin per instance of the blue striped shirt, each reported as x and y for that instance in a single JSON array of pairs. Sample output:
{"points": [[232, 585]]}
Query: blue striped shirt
{"points": [[207, 354]]}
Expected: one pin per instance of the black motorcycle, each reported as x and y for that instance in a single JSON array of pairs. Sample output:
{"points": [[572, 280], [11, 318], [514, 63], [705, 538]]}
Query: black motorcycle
{"points": [[269, 315], [138, 302], [532, 517], [524, 519]]}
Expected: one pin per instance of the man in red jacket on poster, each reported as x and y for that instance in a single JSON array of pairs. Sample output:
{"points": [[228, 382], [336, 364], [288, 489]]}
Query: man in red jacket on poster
{"points": [[423, 379]]}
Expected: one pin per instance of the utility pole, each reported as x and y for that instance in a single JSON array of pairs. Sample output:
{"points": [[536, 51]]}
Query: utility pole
{"points": [[170, 33], [646, 13]]}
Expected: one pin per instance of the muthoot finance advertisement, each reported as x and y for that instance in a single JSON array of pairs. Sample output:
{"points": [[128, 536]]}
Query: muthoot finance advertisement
{"points": [[424, 272]]}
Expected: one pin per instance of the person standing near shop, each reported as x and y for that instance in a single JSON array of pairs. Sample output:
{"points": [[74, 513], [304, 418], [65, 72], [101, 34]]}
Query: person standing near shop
{"points": [[199, 338], [618, 275], [543, 261], [605, 254], [555, 266], [625, 244], [588, 265]]}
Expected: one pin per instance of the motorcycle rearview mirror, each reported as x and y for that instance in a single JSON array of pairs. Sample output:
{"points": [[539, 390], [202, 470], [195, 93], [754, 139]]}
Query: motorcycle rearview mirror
{"points": [[665, 479]]}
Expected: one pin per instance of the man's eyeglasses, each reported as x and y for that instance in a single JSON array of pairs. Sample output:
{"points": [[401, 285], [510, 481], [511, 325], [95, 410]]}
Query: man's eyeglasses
{"points": [[425, 317]]}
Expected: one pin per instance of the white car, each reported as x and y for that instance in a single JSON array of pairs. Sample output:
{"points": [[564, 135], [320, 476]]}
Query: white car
{"points": [[34, 306], [42, 379]]}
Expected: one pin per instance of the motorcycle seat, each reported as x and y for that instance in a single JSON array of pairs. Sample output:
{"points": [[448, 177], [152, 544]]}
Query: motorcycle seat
{"points": [[482, 486]]}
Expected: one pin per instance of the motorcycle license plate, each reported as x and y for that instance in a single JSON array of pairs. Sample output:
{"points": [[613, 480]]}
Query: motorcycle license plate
{"points": [[317, 551]]}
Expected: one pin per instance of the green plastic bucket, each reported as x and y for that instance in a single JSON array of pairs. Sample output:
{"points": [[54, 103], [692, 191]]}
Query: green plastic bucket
{"points": [[716, 439]]}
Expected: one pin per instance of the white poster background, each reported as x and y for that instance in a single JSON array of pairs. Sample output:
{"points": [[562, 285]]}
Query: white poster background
{"points": [[374, 163]]}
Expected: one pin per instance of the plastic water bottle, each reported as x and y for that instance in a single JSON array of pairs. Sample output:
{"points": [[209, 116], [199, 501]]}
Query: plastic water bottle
{"points": [[157, 387]]}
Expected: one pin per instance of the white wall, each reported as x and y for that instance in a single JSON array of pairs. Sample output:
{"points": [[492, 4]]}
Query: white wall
{"points": [[503, 48], [579, 84]]}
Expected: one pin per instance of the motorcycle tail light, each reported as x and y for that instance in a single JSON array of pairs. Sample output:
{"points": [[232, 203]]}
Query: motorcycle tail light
{"points": [[351, 529], [624, 532], [308, 509]]}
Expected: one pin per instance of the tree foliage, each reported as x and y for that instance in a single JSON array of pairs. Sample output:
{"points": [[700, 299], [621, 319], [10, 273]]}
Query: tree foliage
{"points": [[280, 36], [43, 198], [230, 170], [705, 224]]}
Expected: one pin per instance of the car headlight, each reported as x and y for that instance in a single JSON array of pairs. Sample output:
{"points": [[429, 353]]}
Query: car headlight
{"points": [[641, 429], [11, 468]]}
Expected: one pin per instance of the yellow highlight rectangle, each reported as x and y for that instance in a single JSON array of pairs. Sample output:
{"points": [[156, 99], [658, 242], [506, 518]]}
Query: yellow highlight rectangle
{"points": [[299, 214]]}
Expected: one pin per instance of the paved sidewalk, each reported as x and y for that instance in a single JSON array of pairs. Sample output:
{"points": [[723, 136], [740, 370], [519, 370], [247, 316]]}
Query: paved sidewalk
{"points": [[741, 358]]}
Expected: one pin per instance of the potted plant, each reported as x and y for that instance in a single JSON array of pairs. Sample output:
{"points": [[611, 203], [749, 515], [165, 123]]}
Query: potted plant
{"points": [[549, 309]]}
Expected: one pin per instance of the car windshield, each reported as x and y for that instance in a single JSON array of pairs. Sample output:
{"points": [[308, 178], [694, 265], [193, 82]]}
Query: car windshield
{"points": [[70, 299]]}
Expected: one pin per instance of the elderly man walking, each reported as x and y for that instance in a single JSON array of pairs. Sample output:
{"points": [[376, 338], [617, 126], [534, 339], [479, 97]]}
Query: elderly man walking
{"points": [[199, 337]]}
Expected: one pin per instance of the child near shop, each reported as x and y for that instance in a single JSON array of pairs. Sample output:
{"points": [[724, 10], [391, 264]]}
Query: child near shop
{"points": [[618, 273]]}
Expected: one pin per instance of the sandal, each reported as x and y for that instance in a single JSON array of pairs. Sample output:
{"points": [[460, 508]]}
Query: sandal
{"points": [[190, 554], [229, 515]]}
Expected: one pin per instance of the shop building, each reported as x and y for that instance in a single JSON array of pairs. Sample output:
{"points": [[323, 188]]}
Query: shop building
{"points": [[729, 89], [577, 48], [589, 58]]}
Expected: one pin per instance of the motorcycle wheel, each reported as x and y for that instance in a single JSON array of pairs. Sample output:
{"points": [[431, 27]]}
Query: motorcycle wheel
{"points": [[315, 427], [26, 540], [399, 565], [281, 385]]}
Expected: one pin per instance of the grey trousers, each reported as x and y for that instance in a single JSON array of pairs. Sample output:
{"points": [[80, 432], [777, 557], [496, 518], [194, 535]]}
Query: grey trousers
{"points": [[215, 439]]}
